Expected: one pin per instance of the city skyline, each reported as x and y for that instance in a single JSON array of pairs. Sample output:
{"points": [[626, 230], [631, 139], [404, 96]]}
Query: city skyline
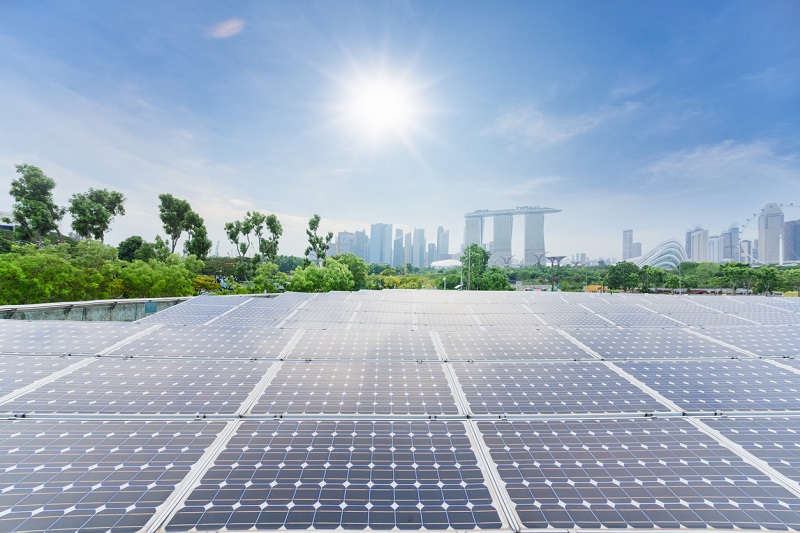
{"points": [[654, 117]]}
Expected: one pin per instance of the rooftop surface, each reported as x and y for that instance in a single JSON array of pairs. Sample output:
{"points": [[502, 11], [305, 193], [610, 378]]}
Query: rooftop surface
{"points": [[408, 410]]}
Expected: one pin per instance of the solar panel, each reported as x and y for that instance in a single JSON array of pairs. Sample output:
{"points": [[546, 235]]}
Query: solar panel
{"points": [[550, 388], [146, 386], [342, 474], [62, 337], [208, 341], [509, 345], [764, 340], [774, 440], [721, 385], [371, 344], [17, 371], [90, 475], [338, 387], [406, 410], [647, 342], [632, 473]]}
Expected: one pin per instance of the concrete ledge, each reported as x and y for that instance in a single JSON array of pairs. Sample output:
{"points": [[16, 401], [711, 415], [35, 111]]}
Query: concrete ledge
{"points": [[119, 310]]}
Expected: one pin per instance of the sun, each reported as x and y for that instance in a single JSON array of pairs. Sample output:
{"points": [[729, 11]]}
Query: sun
{"points": [[377, 107]]}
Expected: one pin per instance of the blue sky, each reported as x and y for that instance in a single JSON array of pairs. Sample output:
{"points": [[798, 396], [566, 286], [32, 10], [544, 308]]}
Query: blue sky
{"points": [[651, 116]]}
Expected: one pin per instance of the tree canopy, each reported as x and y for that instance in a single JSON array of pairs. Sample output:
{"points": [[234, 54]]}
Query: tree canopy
{"points": [[93, 211], [34, 210], [318, 245]]}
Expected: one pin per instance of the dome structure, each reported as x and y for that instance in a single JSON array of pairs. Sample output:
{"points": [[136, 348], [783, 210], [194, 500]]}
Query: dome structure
{"points": [[667, 255]]}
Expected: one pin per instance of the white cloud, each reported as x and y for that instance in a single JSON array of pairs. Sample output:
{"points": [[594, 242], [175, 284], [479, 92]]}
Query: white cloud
{"points": [[725, 168], [531, 127], [227, 29]]}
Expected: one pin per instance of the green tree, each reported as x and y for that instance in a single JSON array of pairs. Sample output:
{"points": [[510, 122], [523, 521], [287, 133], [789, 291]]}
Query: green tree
{"points": [[127, 249], [240, 233], [34, 210], [318, 245], [767, 279], [336, 276], [474, 260], [173, 213], [735, 274], [495, 279], [357, 267], [93, 211], [623, 275], [269, 279], [307, 279], [198, 243], [791, 278], [287, 263]]}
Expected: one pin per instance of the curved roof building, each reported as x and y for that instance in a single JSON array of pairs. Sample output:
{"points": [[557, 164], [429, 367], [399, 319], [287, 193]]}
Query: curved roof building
{"points": [[668, 255]]}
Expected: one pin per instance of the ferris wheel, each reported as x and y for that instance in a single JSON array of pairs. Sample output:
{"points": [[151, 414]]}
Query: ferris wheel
{"points": [[748, 233]]}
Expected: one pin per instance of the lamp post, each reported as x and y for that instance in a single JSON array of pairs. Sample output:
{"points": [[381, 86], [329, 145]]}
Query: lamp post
{"points": [[444, 279]]}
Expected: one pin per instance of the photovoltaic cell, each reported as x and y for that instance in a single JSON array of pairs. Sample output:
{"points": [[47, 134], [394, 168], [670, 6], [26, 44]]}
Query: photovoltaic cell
{"points": [[550, 388], [721, 385], [774, 440], [639, 473], [93, 475], [389, 345], [509, 345], [353, 475], [337, 387], [17, 371], [146, 386], [58, 337], [763, 340], [646, 343], [208, 341]]}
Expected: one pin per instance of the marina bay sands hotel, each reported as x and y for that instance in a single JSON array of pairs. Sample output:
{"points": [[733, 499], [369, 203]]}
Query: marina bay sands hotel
{"points": [[502, 227]]}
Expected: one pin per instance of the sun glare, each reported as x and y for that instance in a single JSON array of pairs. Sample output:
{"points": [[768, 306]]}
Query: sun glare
{"points": [[379, 107]]}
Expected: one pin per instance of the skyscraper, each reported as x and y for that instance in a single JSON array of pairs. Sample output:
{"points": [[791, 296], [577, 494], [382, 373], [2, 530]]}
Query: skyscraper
{"points": [[345, 243], [791, 241], [730, 244], [699, 245], [714, 249], [380, 244], [398, 255], [473, 232], [770, 230], [636, 250], [362, 245], [409, 251], [627, 244], [534, 237], [688, 246], [419, 248], [431, 254], [442, 243], [501, 239]]}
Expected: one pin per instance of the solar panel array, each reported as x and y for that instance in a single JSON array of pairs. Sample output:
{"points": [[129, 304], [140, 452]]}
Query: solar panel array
{"points": [[414, 410]]}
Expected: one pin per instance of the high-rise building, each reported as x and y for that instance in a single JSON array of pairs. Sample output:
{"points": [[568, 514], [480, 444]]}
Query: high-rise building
{"points": [[627, 244], [409, 249], [362, 245], [688, 246], [730, 245], [747, 251], [345, 243], [699, 245], [501, 239], [398, 254], [419, 248], [431, 254], [770, 230], [473, 231], [442, 243], [534, 237], [636, 250], [380, 244], [791, 240], [714, 249]]}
